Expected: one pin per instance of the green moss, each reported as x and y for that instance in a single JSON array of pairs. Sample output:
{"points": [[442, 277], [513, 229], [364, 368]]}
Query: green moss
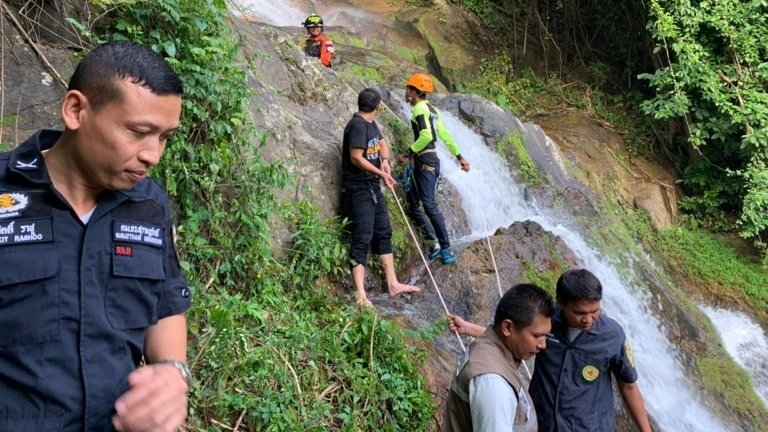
{"points": [[714, 267], [8, 121], [365, 73], [732, 383], [525, 163], [410, 55], [348, 39], [546, 277]]}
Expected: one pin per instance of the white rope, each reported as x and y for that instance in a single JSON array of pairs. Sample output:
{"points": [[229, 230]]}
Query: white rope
{"points": [[488, 242], [426, 264], [496, 269]]}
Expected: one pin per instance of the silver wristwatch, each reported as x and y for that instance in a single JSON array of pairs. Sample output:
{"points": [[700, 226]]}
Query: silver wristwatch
{"points": [[184, 371]]}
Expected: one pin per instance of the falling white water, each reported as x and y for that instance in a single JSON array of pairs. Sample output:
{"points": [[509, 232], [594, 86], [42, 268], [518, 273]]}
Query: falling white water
{"points": [[746, 342], [292, 13], [277, 13], [492, 199]]}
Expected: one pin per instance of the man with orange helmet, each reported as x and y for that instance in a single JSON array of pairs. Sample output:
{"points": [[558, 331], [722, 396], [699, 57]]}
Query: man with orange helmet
{"points": [[427, 126], [317, 44]]}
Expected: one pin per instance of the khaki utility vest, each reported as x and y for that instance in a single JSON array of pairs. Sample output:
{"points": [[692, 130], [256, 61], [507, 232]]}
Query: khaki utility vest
{"points": [[487, 354]]}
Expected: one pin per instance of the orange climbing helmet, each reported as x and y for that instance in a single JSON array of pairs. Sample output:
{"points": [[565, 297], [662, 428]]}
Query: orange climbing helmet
{"points": [[421, 82]]}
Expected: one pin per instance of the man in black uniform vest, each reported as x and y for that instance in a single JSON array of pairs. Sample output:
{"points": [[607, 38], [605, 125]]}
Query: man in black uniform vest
{"points": [[90, 284]]}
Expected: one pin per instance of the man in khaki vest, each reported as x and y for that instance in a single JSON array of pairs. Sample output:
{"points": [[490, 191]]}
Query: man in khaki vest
{"points": [[487, 394]]}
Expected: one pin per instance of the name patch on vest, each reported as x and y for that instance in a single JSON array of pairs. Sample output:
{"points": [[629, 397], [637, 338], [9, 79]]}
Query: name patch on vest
{"points": [[21, 231], [135, 232]]}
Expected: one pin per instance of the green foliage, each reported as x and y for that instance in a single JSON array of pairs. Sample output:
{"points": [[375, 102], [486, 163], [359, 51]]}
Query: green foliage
{"points": [[316, 249], [753, 217], [298, 361], [714, 81], [268, 343], [528, 95]]}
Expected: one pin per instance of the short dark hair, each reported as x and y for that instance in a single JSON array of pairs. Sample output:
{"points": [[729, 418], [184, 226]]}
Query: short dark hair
{"points": [[419, 93], [96, 74], [368, 100], [521, 304], [578, 284]]}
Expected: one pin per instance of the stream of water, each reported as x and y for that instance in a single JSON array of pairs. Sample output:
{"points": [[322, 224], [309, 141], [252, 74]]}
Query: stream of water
{"points": [[492, 199], [746, 342]]}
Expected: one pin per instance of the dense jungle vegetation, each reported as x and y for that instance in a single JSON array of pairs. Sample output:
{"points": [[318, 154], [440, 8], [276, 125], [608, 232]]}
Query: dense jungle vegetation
{"points": [[271, 349], [691, 75]]}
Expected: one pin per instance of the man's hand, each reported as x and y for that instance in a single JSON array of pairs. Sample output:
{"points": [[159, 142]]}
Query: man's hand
{"points": [[458, 325], [464, 162], [155, 402], [389, 182], [386, 166]]}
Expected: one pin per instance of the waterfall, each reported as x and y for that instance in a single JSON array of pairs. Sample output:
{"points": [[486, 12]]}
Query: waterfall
{"points": [[277, 13], [746, 342], [492, 199]]}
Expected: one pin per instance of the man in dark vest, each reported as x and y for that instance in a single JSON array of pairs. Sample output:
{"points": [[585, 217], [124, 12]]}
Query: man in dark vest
{"points": [[487, 393]]}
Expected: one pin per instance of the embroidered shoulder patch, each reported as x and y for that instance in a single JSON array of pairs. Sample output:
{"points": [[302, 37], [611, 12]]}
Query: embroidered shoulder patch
{"points": [[628, 350], [12, 204]]}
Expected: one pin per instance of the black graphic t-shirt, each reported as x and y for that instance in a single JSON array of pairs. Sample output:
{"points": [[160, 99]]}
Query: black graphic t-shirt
{"points": [[363, 135]]}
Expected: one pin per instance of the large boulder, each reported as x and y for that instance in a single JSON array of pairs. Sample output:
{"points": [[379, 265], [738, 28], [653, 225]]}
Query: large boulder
{"points": [[597, 153]]}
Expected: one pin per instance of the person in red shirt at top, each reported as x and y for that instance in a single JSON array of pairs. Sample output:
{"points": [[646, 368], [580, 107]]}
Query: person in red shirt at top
{"points": [[317, 44]]}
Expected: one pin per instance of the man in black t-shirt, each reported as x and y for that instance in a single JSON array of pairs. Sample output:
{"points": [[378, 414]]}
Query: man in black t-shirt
{"points": [[365, 160]]}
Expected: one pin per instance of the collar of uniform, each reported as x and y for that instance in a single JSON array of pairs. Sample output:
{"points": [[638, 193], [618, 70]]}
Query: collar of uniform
{"points": [[27, 160], [560, 325], [490, 333]]}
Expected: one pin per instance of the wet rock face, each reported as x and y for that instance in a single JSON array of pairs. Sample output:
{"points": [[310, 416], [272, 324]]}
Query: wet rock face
{"points": [[31, 92], [486, 118], [601, 163]]}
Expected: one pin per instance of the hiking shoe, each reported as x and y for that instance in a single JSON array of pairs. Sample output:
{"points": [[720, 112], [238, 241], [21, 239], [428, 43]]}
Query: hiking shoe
{"points": [[434, 251], [447, 257]]}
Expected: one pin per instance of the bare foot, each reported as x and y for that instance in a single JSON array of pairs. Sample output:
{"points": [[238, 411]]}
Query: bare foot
{"points": [[400, 288], [364, 302]]}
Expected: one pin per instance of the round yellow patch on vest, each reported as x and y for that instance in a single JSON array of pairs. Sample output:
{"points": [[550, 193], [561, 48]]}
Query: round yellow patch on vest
{"points": [[590, 373]]}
